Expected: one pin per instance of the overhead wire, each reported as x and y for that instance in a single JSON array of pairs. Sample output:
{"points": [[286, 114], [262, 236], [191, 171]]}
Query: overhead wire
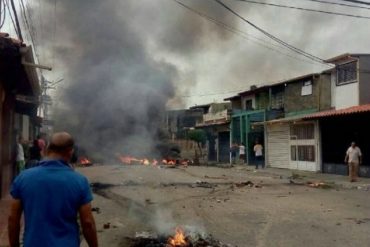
{"points": [[339, 4], [3, 13], [245, 35], [305, 9], [11, 17], [358, 2], [16, 20], [291, 47]]}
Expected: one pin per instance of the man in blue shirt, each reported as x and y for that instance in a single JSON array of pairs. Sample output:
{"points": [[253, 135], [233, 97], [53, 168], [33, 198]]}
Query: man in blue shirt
{"points": [[51, 197]]}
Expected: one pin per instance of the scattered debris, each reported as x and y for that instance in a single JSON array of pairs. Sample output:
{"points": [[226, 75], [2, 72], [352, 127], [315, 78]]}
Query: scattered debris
{"points": [[223, 177], [100, 186], [96, 209], [242, 184], [359, 221], [148, 201], [320, 185], [106, 225], [204, 184], [147, 239]]}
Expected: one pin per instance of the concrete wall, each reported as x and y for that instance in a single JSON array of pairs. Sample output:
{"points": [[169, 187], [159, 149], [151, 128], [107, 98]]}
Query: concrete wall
{"points": [[344, 96], [262, 101], [319, 99], [364, 75], [324, 88]]}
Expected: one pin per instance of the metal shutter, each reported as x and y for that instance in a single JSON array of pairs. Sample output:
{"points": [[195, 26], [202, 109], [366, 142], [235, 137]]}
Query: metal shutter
{"points": [[278, 145]]}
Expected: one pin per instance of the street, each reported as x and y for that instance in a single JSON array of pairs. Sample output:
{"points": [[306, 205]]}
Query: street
{"points": [[270, 210]]}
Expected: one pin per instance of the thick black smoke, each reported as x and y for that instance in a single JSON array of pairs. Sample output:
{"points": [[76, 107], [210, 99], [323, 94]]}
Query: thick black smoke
{"points": [[117, 90]]}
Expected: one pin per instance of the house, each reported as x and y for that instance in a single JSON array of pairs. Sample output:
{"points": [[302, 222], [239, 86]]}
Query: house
{"points": [[216, 123], [19, 95], [348, 119], [292, 142]]}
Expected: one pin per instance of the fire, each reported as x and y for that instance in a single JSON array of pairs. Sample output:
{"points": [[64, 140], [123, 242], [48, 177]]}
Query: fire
{"points": [[84, 161], [178, 240]]}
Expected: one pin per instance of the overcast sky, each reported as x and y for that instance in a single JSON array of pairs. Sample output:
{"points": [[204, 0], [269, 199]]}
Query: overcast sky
{"points": [[207, 58]]}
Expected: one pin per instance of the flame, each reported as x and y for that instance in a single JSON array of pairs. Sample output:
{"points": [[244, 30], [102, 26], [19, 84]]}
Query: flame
{"points": [[84, 161], [178, 240]]}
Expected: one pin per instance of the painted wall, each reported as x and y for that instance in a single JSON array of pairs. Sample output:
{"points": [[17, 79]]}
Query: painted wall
{"points": [[344, 96], [364, 75], [319, 99]]}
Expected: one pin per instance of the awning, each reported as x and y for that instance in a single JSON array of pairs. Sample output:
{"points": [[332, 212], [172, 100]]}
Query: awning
{"points": [[341, 112]]}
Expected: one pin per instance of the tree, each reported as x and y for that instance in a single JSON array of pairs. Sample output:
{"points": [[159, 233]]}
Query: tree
{"points": [[199, 136]]}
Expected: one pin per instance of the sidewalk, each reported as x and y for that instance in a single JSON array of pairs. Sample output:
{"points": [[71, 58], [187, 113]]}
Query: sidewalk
{"points": [[4, 212], [306, 176]]}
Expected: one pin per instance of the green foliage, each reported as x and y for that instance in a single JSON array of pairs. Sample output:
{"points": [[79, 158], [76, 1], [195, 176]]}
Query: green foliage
{"points": [[197, 135]]}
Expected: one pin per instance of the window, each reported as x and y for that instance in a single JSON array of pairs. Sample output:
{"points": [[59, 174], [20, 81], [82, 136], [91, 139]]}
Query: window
{"points": [[302, 132], [303, 153], [249, 104], [277, 101], [346, 73], [306, 88]]}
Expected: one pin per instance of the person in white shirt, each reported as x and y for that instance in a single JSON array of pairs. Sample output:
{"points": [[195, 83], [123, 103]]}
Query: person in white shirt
{"points": [[353, 159], [20, 155], [258, 152], [242, 153]]}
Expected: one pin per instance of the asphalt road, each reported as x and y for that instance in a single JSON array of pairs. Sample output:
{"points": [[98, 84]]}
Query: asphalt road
{"points": [[210, 200]]}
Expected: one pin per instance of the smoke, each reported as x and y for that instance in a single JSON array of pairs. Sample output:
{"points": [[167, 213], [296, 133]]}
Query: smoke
{"points": [[123, 62], [117, 83]]}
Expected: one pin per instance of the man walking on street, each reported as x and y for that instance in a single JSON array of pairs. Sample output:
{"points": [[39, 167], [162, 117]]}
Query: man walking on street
{"points": [[354, 159], [51, 196]]}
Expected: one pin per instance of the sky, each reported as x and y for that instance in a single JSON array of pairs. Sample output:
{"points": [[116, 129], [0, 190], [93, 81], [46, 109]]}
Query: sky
{"points": [[210, 62]]}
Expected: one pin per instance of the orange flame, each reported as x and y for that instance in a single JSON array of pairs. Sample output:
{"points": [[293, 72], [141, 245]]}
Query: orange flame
{"points": [[178, 240], [84, 161]]}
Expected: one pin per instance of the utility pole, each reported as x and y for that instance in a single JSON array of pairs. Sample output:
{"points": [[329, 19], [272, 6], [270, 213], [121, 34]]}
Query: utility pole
{"points": [[46, 101]]}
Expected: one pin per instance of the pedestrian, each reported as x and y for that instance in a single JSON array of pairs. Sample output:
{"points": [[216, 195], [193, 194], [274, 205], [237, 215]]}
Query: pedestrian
{"points": [[51, 196], [233, 150], [35, 155], [242, 153], [258, 153], [20, 155], [42, 143], [353, 159]]}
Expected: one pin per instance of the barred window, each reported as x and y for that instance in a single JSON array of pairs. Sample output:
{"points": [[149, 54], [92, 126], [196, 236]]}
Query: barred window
{"points": [[302, 132], [346, 73], [303, 153]]}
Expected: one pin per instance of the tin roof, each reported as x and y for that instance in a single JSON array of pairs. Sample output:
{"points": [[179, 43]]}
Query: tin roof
{"points": [[346, 111]]}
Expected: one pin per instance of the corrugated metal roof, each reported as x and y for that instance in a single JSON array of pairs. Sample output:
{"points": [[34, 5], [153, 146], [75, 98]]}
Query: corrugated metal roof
{"points": [[346, 111]]}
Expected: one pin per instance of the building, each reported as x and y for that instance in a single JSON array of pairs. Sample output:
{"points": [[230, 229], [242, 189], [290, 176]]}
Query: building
{"points": [[216, 124], [348, 119], [19, 94]]}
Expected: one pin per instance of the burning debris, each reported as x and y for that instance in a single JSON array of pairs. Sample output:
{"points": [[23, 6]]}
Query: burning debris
{"points": [[84, 161], [130, 160], [179, 239]]}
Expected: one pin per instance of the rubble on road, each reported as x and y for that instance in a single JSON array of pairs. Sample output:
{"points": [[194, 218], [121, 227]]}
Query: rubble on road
{"points": [[147, 239], [321, 185], [96, 209]]}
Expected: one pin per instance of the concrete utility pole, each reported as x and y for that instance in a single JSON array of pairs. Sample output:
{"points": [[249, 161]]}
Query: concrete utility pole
{"points": [[47, 102]]}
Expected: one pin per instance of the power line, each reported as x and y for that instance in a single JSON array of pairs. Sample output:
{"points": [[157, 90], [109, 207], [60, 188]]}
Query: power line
{"points": [[295, 49], [356, 1], [17, 21], [339, 4], [3, 13], [305, 9], [11, 17], [244, 35]]}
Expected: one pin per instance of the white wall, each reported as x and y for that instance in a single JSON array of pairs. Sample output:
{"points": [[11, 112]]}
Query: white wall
{"points": [[345, 95]]}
